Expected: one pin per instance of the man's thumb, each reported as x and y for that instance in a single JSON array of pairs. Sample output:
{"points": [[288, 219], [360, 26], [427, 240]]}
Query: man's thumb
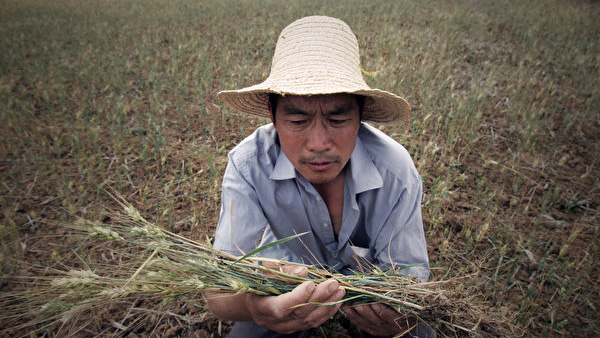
{"points": [[300, 295]]}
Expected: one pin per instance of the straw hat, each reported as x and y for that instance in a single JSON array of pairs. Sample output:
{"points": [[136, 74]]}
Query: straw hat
{"points": [[317, 55]]}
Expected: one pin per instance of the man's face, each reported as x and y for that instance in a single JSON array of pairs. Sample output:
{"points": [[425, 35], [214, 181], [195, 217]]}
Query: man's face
{"points": [[318, 133]]}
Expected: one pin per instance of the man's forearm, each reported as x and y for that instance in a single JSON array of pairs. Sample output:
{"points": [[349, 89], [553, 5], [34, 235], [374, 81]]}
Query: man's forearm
{"points": [[228, 307]]}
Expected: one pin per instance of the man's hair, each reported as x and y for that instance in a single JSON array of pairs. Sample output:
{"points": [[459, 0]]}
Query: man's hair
{"points": [[273, 98]]}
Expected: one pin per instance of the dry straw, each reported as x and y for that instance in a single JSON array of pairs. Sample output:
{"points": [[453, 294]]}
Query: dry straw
{"points": [[152, 263]]}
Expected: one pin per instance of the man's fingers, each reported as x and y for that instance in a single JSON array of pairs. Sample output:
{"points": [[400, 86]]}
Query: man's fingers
{"points": [[385, 313], [324, 291], [297, 270], [378, 319], [355, 314], [356, 319], [366, 313], [307, 315], [349, 311], [279, 307], [292, 269], [300, 295], [327, 292], [292, 311]]}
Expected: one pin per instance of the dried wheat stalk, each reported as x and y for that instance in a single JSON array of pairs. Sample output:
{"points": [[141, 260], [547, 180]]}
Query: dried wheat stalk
{"points": [[158, 264]]}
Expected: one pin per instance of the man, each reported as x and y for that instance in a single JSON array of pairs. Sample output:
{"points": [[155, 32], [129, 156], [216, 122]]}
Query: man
{"points": [[318, 168]]}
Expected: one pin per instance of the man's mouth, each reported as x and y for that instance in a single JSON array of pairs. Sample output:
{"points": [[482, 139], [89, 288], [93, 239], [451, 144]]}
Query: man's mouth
{"points": [[319, 162], [320, 166]]}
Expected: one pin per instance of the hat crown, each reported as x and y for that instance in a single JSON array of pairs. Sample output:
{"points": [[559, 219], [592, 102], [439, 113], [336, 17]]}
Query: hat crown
{"points": [[316, 52], [317, 55]]}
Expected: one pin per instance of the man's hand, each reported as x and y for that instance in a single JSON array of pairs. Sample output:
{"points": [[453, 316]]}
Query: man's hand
{"points": [[286, 313], [282, 313], [378, 319]]}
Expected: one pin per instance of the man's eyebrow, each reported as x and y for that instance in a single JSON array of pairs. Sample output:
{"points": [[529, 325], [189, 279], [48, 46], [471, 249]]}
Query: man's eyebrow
{"points": [[293, 110], [341, 110]]}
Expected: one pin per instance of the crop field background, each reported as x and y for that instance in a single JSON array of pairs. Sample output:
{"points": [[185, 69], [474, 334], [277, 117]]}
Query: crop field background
{"points": [[505, 133]]}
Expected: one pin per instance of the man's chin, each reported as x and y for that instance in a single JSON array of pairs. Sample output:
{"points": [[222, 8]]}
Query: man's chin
{"points": [[320, 181], [320, 177]]}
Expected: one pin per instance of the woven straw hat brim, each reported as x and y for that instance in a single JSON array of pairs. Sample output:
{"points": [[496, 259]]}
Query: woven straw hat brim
{"points": [[380, 106], [317, 55]]}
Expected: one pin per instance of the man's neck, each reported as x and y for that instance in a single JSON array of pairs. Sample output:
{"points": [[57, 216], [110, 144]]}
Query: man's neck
{"points": [[332, 193]]}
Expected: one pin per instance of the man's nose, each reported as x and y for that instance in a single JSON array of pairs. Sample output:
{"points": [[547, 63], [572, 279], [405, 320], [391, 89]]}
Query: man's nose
{"points": [[318, 138]]}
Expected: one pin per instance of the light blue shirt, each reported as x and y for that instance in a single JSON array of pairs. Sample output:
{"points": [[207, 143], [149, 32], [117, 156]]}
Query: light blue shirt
{"points": [[264, 199]]}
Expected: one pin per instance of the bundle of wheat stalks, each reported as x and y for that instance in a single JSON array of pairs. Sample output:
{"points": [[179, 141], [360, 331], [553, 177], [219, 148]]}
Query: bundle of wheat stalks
{"points": [[155, 263]]}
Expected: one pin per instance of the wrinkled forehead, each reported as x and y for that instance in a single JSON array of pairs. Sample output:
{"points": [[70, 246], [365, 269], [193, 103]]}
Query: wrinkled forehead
{"points": [[325, 102]]}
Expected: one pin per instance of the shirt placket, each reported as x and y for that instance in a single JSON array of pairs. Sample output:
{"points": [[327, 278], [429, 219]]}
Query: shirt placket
{"points": [[320, 221]]}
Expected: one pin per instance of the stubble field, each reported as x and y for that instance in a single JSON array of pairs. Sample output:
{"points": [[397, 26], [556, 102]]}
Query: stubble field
{"points": [[505, 134]]}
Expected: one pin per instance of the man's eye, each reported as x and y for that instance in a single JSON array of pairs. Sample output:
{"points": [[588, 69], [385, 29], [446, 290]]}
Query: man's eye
{"points": [[337, 121], [297, 122]]}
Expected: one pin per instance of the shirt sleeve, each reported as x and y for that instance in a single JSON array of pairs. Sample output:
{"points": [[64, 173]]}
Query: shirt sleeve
{"points": [[241, 220], [401, 242]]}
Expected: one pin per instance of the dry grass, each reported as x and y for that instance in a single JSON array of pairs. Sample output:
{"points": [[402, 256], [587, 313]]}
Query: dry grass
{"points": [[150, 263], [505, 134]]}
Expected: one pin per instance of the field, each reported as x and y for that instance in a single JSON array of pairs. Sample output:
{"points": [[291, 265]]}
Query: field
{"points": [[505, 133]]}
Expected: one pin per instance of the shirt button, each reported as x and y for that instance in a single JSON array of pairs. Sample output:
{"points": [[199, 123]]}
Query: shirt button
{"points": [[326, 224], [318, 198]]}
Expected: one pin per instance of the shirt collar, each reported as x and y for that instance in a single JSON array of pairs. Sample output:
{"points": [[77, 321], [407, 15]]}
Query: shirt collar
{"points": [[284, 169], [364, 174]]}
